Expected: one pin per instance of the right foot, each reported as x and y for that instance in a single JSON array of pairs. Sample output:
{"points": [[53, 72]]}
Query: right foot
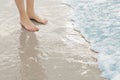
{"points": [[28, 25]]}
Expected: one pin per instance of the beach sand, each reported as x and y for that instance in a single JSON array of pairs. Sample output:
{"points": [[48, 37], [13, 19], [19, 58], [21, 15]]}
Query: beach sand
{"points": [[56, 52]]}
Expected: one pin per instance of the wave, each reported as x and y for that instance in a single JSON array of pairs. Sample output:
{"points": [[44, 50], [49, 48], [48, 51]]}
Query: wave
{"points": [[99, 22]]}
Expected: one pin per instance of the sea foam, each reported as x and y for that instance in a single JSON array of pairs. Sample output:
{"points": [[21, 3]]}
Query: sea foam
{"points": [[99, 22]]}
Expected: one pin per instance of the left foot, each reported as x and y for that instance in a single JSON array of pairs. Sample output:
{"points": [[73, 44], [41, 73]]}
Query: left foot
{"points": [[38, 19]]}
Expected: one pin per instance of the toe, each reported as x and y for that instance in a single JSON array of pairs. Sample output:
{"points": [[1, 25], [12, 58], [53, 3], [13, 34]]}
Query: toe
{"points": [[31, 30], [42, 21], [36, 28], [45, 21]]}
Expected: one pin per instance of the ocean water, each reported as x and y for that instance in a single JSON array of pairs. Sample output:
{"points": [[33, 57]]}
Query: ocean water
{"points": [[99, 22]]}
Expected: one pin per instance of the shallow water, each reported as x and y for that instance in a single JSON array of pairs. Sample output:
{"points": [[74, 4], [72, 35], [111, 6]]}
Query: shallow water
{"points": [[99, 22]]}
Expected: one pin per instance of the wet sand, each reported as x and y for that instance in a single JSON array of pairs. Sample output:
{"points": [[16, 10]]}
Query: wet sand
{"points": [[56, 52]]}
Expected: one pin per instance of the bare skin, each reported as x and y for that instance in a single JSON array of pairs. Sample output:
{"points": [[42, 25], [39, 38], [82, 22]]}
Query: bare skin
{"points": [[25, 16], [31, 13]]}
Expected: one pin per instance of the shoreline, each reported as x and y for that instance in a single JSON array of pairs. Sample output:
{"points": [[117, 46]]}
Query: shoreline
{"points": [[56, 52]]}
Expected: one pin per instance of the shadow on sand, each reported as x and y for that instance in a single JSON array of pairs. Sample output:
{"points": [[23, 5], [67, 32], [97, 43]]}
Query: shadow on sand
{"points": [[31, 68]]}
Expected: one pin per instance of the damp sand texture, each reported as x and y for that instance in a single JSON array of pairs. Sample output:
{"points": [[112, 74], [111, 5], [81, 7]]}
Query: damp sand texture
{"points": [[56, 52]]}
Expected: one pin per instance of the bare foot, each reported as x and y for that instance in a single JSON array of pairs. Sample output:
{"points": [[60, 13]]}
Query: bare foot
{"points": [[38, 19], [28, 25]]}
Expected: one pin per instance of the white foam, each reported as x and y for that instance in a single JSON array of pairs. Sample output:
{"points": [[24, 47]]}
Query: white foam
{"points": [[100, 24], [99, 1]]}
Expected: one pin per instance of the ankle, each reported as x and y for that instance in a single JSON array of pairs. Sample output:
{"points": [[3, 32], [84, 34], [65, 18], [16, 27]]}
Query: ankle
{"points": [[24, 18], [30, 14]]}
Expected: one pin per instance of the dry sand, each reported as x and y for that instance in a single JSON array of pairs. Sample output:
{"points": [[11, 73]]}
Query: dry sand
{"points": [[56, 52]]}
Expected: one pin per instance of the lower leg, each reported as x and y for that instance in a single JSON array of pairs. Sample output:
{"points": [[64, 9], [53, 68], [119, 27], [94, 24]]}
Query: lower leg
{"points": [[30, 7], [24, 19], [31, 12], [21, 8]]}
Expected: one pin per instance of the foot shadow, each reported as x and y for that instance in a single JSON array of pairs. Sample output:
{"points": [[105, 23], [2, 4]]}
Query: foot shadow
{"points": [[30, 66]]}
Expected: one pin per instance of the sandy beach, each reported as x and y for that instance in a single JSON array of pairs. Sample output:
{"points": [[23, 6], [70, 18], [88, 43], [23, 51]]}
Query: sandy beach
{"points": [[56, 52]]}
